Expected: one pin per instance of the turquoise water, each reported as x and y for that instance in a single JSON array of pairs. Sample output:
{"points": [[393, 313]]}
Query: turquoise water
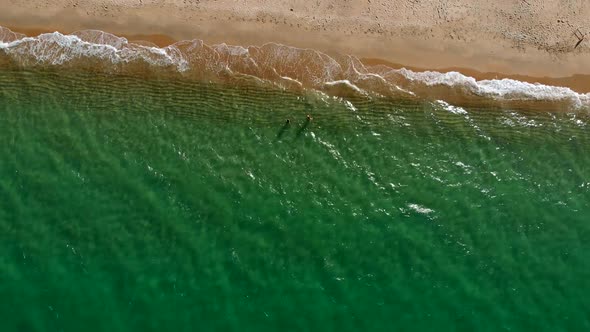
{"points": [[132, 204]]}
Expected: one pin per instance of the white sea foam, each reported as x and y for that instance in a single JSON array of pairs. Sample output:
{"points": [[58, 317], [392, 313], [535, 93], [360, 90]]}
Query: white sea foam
{"points": [[451, 108], [499, 88], [231, 50], [420, 209], [58, 49], [345, 85]]}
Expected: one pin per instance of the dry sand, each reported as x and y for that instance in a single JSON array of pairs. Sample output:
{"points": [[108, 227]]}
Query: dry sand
{"points": [[533, 39]]}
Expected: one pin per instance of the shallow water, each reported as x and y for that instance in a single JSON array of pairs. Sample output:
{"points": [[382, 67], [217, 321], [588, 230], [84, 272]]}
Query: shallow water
{"points": [[129, 204]]}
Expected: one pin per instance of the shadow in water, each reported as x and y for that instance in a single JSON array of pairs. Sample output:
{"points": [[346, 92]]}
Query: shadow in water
{"points": [[283, 130]]}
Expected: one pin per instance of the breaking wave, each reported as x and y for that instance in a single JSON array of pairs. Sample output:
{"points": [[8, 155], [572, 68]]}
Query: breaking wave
{"points": [[288, 67]]}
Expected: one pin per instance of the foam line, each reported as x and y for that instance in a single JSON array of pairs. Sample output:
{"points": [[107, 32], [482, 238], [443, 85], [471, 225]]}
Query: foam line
{"points": [[273, 62]]}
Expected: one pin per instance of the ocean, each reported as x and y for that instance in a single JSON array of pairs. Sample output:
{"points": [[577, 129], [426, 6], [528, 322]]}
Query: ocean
{"points": [[145, 190]]}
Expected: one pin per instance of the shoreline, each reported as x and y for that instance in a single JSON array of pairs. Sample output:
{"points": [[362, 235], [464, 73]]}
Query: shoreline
{"points": [[579, 83], [420, 48]]}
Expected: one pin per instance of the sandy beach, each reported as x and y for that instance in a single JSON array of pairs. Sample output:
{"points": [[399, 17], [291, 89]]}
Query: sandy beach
{"points": [[536, 41]]}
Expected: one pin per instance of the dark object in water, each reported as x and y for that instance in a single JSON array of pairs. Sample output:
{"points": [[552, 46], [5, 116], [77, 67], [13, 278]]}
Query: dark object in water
{"points": [[283, 129]]}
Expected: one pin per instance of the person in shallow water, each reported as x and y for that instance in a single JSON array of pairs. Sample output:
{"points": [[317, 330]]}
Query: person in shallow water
{"points": [[309, 118], [288, 121]]}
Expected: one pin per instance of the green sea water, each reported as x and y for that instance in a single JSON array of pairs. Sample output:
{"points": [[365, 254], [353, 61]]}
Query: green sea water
{"points": [[132, 204]]}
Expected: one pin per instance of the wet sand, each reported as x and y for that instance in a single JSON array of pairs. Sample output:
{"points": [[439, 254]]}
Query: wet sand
{"points": [[529, 40]]}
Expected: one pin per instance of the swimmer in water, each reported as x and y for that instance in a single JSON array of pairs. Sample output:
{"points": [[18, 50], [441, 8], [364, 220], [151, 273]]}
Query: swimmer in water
{"points": [[309, 118], [288, 121]]}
